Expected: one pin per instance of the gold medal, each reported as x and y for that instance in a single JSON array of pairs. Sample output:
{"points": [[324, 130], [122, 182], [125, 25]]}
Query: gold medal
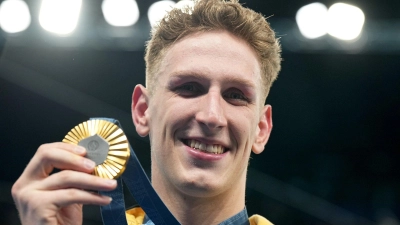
{"points": [[105, 143]]}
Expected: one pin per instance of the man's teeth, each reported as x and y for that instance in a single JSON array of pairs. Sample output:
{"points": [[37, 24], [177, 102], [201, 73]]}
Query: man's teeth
{"points": [[216, 149]]}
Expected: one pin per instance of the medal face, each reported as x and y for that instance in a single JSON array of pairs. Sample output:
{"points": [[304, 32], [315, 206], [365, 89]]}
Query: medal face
{"points": [[106, 145]]}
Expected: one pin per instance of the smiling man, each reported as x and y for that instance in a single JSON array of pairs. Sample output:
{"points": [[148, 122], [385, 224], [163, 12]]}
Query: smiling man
{"points": [[209, 71]]}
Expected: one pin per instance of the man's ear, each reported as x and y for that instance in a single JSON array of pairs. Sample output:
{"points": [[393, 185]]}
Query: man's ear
{"points": [[139, 110], [264, 129]]}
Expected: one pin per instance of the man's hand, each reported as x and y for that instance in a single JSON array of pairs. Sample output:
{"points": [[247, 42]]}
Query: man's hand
{"points": [[55, 199]]}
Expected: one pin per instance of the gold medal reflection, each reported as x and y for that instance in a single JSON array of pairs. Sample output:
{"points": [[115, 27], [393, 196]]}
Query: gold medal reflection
{"points": [[118, 153]]}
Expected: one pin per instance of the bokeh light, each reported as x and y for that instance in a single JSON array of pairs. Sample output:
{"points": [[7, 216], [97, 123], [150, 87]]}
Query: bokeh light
{"points": [[345, 21], [312, 20], [60, 16], [14, 16], [120, 13]]}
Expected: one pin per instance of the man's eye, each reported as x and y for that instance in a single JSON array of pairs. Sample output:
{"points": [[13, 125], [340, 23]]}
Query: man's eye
{"points": [[188, 89], [236, 97]]}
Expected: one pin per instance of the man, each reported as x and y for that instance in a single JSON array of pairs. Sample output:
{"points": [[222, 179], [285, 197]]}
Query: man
{"points": [[209, 71]]}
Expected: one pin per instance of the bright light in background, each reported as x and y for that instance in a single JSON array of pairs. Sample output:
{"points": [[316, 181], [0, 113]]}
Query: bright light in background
{"points": [[312, 20], [120, 13], [345, 21], [60, 16], [185, 3], [158, 10], [14, 16]]}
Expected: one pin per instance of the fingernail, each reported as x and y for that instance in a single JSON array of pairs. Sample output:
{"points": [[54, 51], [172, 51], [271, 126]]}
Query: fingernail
{"points": [[79, 149], [89, 164]]}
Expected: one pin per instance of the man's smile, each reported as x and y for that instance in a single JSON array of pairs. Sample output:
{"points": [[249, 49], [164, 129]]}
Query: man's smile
{"points": [[208, 148]]}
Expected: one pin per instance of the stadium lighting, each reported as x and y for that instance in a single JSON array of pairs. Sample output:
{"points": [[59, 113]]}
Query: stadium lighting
{"points": [[60, 16], [312, 20], [14, 16], [158, 10], [120, 13], [185, 3], [345, 21]]}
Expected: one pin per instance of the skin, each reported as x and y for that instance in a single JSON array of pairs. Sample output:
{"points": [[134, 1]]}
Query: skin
{"points": [[53, 199], [208, 90]]}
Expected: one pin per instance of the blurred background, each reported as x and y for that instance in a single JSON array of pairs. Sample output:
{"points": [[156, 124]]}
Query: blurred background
{"points": [[333, 154]]}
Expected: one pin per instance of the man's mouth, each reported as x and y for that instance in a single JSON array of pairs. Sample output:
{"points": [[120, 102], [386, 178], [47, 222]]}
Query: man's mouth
{"points": [[213, 149]]}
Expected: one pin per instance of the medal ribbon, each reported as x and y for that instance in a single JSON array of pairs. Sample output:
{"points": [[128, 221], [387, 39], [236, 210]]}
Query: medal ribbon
{"points": [[141, 189]]}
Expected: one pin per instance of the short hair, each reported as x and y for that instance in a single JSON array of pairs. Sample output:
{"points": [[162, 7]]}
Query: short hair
{"points": [[210, 15]]}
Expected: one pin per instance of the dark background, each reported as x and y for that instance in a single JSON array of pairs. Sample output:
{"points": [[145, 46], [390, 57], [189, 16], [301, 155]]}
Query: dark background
{"points": [[334, 150]]}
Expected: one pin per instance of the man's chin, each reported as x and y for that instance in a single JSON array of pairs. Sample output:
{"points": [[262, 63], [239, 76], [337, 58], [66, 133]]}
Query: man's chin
{"points": [[200, 188]]}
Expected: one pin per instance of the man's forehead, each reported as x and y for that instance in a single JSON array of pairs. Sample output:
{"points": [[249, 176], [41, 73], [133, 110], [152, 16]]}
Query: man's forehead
{"points": [[210, 40], [237, 55]]}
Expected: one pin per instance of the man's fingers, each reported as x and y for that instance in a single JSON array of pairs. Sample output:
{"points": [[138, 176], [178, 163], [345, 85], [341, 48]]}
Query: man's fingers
{"points": [[57, 155], [54, 200], [72, 179], [71, 196]]}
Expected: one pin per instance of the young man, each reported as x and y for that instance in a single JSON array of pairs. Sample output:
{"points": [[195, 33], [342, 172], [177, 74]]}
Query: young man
{"points": [[209, 71]]}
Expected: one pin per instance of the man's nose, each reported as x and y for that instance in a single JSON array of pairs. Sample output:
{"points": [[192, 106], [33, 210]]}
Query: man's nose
{"points": [[211, 111]]}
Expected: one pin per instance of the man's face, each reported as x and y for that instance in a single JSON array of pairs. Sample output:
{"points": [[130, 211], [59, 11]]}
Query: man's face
{"points": [[204, 116]]}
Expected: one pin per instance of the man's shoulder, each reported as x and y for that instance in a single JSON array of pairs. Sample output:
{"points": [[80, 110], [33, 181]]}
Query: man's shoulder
{"points": [[259, 220]]}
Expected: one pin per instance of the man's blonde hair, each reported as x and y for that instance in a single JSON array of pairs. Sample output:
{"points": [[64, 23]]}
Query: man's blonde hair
{"points": [[207, 15]]}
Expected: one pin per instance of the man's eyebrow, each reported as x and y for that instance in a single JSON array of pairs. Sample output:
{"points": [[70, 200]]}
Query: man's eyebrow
{"points": [[188, 74], [243, 82]]}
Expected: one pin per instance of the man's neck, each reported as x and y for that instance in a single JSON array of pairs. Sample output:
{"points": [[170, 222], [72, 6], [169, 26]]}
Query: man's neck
{"points": [[202, 210]]}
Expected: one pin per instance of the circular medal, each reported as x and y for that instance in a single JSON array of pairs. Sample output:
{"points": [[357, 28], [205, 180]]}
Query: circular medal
{"points": [[106, 145]]}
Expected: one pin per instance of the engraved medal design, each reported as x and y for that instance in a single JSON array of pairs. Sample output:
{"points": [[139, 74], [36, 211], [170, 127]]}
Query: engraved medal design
{"points": [[105, 143]]}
